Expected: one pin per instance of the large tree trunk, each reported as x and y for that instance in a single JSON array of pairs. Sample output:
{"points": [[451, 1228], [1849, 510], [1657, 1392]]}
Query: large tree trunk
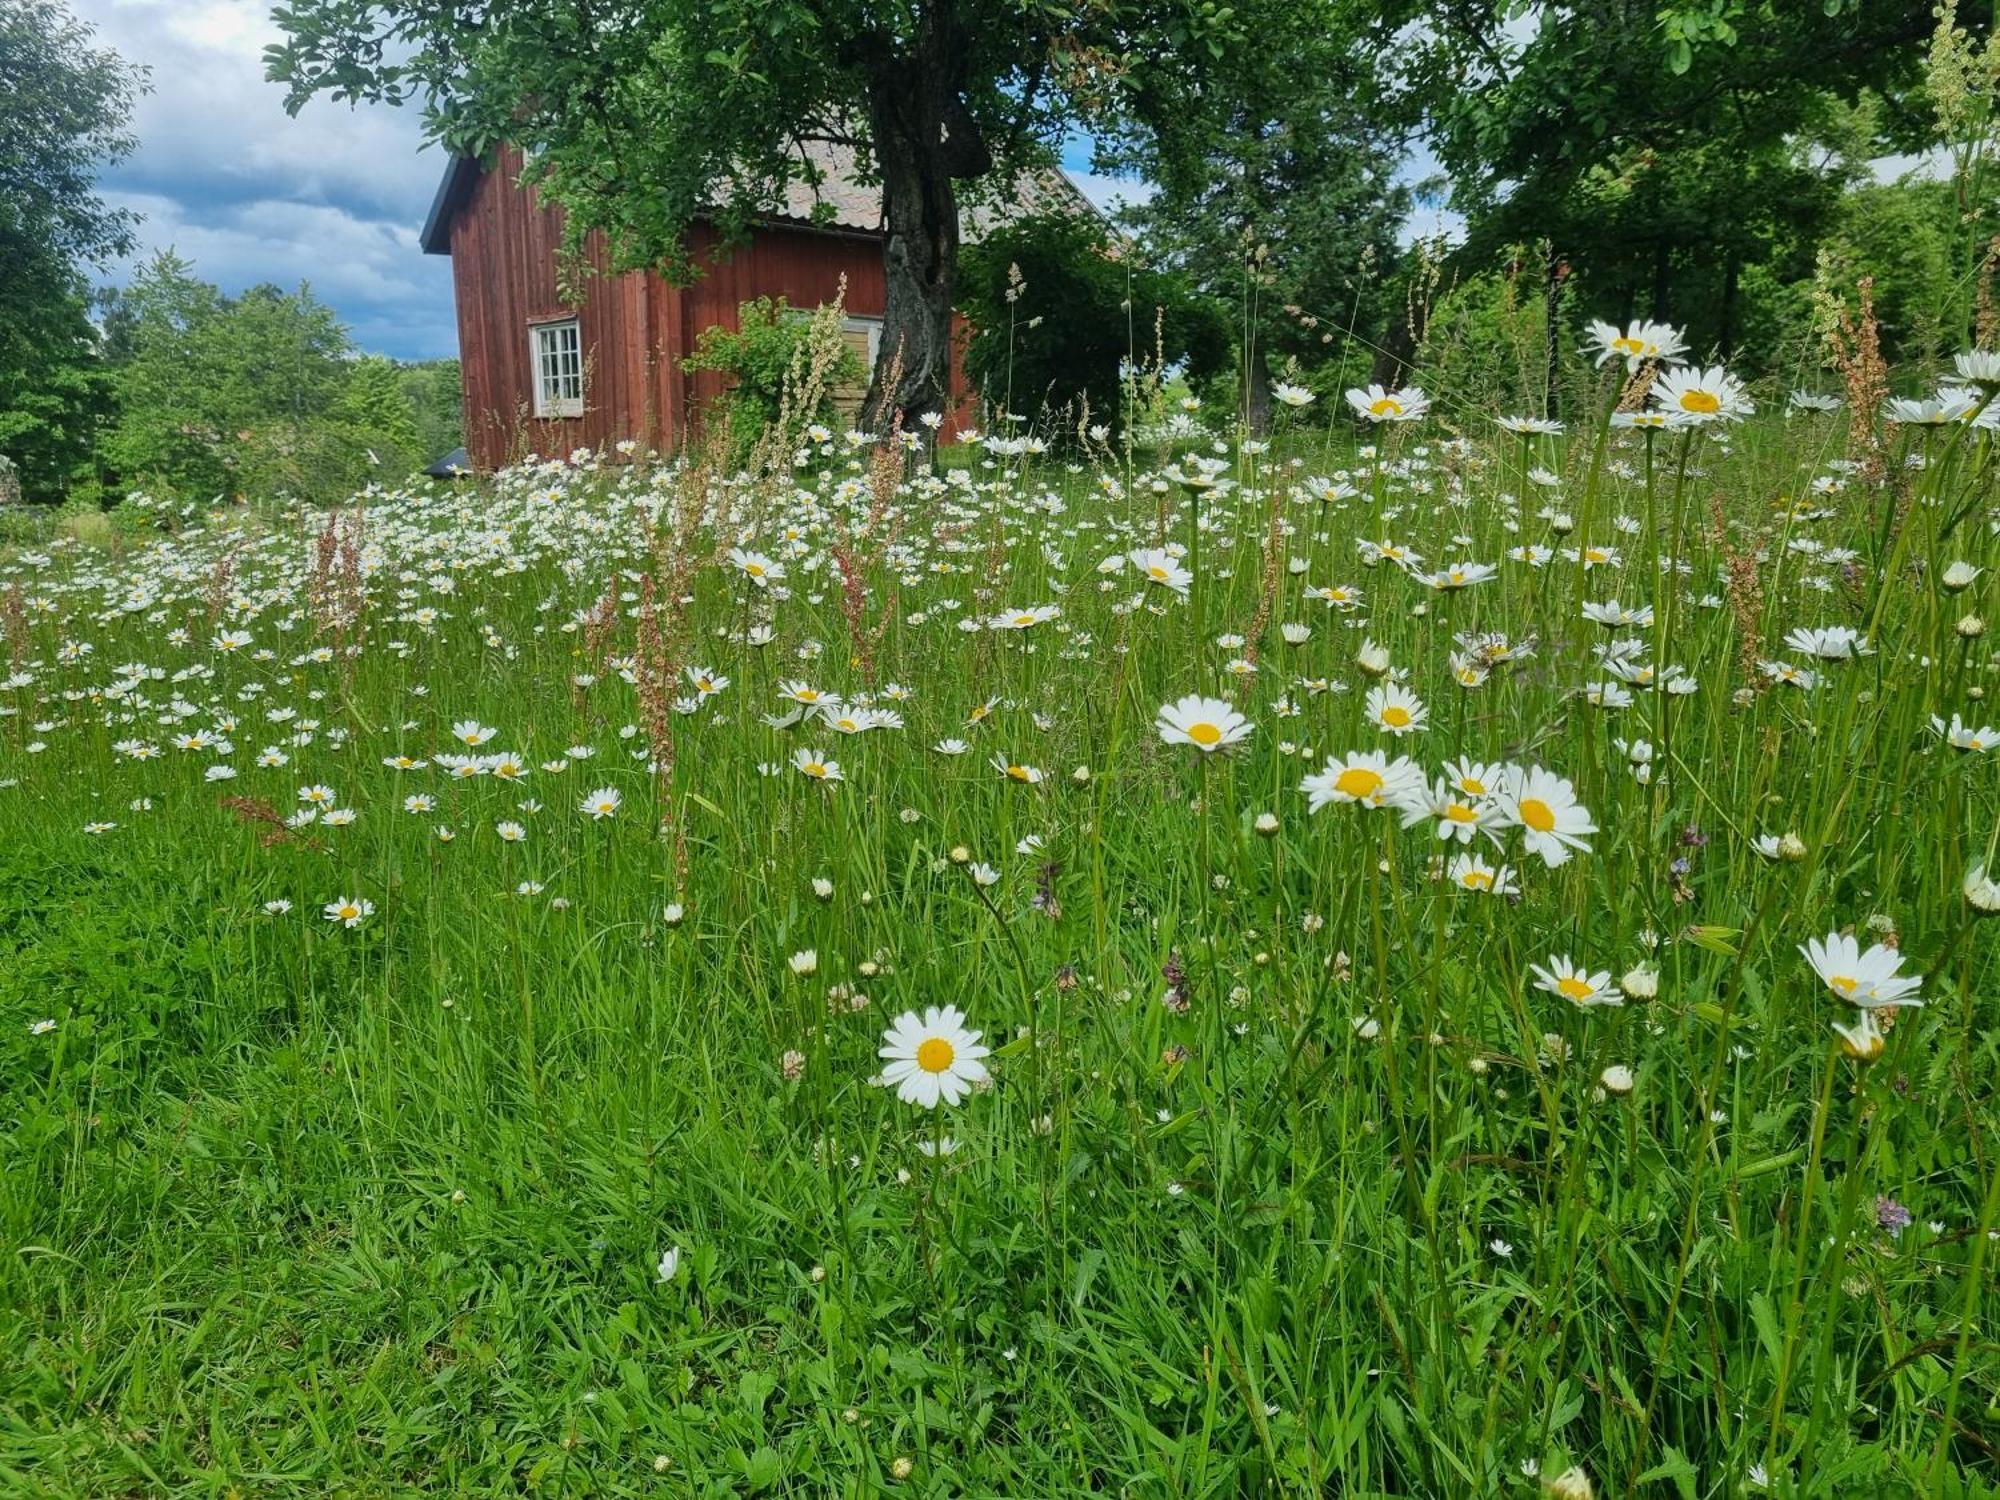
{"points": [[924, 139], [912, 372]]}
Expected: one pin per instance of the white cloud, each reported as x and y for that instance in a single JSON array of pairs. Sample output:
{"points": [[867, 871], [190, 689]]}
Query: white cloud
{"points": [[250, 194]]}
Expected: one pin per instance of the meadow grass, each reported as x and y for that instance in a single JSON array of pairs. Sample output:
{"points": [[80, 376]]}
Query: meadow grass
{"points": [[1286, 1175]]}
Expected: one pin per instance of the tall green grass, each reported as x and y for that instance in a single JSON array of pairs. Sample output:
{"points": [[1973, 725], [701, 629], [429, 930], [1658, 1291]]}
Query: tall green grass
{"points": [[294, 1208]]}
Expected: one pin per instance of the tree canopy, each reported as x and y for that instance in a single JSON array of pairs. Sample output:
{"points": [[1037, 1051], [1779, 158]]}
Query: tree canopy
{"points": [[262, 393], [641, 117], [63, 112], [1660, 152]]}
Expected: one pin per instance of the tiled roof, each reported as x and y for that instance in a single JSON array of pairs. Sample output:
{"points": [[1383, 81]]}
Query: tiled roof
{"points": [[843, 200]]}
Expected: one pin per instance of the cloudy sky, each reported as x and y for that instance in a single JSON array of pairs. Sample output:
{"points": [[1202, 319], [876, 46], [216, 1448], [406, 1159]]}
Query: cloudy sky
{"points": [[225, 177], [334, 198]]}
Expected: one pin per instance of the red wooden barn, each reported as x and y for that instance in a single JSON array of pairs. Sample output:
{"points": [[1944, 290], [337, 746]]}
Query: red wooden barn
{"points": [[544, 376]]}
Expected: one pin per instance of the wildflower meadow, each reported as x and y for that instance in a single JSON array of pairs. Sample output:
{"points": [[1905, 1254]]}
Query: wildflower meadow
{"points": [[1432, 953]]}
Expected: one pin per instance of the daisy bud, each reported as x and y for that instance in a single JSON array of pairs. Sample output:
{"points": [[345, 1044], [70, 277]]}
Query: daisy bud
{"points": [[805, 962], [1640, 983], [1267, 824], [1372, 659], [1970, 627], [1562, 523], [1863, 1040], [1960, 575], [1617, 1080], [823, 888], [1295, 635], [1081, 776], [674, 914]]}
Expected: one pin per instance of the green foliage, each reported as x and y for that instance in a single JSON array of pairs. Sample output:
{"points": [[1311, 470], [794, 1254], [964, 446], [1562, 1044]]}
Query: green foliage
{"points": [[1059, 311], [1664, 153], [255, 395], [772, 344], [1484, 346], [63, 108], [1277, 195], [435, 397]]}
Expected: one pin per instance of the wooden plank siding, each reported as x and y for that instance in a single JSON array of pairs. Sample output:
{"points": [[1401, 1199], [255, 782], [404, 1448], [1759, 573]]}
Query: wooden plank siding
{"points": [[636, 329]]}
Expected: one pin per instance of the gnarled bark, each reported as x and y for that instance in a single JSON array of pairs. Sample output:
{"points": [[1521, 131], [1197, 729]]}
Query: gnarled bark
{"points": [[925, 140]]}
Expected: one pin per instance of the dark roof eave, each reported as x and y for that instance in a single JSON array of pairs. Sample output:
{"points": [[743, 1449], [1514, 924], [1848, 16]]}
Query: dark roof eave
{"points": [[459, 176]]}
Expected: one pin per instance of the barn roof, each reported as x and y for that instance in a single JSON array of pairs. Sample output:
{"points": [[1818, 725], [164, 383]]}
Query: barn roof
{"points": [[843, 201]]}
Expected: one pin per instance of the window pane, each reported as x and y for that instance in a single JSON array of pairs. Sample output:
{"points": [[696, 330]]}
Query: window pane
{"points": [[558, 369]]}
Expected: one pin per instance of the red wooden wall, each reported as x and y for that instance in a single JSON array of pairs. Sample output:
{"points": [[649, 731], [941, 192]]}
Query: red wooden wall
{"points": [[636, 328]]}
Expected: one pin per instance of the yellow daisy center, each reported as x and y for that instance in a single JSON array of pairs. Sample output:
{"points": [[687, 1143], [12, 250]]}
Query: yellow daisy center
{"points": [[1204, 734], [1476, 880], [1385, 408], [814, 768], [935, 1055], [1019, 773], [1705, 402], [755, 570], [1572, 988], [1396, 716], [1472, 786], [1458, 812], [1357, 782], [1628, 346], [1844, 984], [1538, 815]]}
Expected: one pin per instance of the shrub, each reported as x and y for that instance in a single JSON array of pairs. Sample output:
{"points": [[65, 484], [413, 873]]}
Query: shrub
{"points": [[773, 342], [1058, 311]]}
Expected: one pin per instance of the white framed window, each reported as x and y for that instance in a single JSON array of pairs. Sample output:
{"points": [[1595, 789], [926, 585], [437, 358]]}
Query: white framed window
{"points": [[555, 355]]}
